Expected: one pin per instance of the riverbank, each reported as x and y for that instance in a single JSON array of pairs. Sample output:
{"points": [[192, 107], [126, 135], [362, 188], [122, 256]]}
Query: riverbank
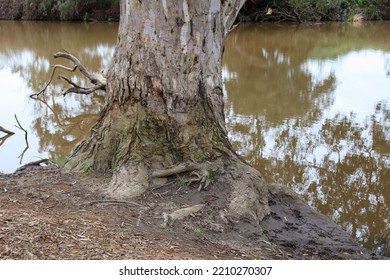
{"points": [[51, 10], [48, 214], [252, 11]]}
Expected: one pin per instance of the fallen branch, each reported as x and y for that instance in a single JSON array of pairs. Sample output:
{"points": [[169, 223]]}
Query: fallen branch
{"points": [[99, 81]]}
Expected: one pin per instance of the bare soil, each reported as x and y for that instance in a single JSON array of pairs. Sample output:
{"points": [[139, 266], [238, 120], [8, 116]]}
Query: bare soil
{"points": [[48, 214]]}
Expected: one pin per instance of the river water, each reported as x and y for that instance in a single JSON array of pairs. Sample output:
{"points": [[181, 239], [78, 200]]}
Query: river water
{"points": [[308, 106]]}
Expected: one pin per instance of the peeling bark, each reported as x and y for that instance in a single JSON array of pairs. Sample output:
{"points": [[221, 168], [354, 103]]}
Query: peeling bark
{"points": [[164, 105]]}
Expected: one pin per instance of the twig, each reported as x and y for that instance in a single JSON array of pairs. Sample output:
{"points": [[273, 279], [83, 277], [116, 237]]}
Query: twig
{"points": [[2, 129], [113, 202], [51, 77], [83, 90], [19, 126], [2, 139]]}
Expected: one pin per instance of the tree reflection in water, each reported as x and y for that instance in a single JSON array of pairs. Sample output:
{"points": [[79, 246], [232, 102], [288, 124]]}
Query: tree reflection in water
{"points": [[278, 114], [27, 51], [59, 127]]}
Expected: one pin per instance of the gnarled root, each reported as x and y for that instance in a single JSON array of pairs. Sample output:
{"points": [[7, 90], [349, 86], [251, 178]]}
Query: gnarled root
{"points": [[99, 81], [246, 189], [198, 174]]}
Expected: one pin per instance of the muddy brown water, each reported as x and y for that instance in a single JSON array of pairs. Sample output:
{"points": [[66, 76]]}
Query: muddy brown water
{"points": [[308, 106]]}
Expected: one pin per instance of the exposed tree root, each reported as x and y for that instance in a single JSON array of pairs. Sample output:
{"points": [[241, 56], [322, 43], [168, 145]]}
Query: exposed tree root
{"points": [[181, 168], [31, 164], [169, 219], [99, 81], [199, 174]]}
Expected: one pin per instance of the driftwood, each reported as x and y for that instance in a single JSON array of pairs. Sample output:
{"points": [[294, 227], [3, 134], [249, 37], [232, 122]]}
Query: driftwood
{"points": [[99, 81]]}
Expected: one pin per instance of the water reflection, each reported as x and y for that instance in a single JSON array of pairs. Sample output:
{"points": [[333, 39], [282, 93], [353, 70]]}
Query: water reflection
{"points": [[56, 123], [309, 107]]}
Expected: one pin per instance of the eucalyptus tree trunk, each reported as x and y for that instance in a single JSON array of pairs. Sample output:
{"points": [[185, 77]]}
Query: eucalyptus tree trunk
{"points": [[164, 111]]}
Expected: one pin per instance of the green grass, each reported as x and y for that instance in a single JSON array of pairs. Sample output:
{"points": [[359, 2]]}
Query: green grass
{"points": [[60, 161], [197, 230], [210, 176], [30, 247], [180, 181], [124, 229]]}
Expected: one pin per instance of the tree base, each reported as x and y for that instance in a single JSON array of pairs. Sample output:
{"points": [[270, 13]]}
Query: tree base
{"points": [[244, 191]]}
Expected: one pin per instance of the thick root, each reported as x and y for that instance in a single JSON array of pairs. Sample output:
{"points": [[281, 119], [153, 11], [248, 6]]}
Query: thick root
{"points": [[243, 185]]}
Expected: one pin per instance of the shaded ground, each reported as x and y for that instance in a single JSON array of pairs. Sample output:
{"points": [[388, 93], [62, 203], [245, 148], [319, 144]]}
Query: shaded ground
{"points": [[48, 214]]}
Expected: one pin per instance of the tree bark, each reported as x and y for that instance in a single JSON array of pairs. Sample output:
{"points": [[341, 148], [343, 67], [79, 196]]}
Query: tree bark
{"points": [[164, 106]]}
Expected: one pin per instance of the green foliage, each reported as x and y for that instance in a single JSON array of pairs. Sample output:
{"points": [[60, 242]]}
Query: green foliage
{"points": [[68, 9], [315, 10], [71, 9], [86, 16], [45, 7]]}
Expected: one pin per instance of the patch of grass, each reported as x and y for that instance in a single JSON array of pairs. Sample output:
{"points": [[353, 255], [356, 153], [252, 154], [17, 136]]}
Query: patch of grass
{"points": [[124, 229], [88, 170], [181, 182], [60, 161], [30, 247], [197, 230], [210, 176]]}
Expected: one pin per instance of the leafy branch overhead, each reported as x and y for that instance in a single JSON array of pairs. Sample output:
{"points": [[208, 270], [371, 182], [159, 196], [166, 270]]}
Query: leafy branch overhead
{"points": [[97, 80]]}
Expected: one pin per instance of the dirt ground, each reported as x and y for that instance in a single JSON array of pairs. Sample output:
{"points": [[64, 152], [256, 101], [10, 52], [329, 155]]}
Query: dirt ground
{"points": [[49, 214]]}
